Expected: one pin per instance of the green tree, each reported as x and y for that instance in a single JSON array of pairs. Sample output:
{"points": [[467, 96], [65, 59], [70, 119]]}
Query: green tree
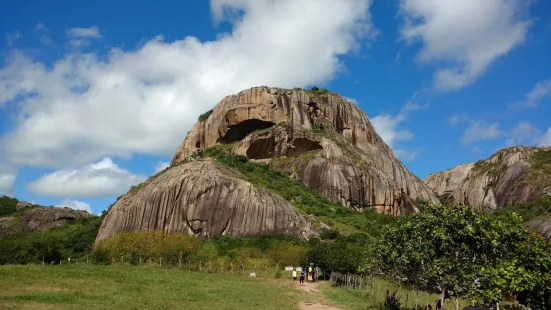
{"points": [[457, 251]]}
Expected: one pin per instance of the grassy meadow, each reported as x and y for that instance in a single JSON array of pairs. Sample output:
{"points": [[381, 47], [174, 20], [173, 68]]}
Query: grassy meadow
{"points": [[85, 286]]}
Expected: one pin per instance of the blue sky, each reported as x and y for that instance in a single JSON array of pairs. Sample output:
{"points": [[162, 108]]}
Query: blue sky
{"points": [[96, 96]]}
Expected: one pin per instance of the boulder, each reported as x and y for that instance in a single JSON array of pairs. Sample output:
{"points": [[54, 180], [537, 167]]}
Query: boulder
{"points": [[333, 146], [203, 199]]}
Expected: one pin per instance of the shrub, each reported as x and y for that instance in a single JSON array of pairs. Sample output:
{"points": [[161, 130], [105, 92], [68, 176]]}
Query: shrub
{"points": [[205, 115]]}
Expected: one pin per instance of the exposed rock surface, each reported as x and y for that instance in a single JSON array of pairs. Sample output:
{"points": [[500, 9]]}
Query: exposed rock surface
{"points": [[22, 204], [6, 224], [204, 199], [45, 218], [542, 225], [511, 176], [40, 219], [323, 140]]}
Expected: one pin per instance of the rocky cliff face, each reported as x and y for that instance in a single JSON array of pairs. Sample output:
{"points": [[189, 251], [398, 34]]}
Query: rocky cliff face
{"points": [[319, 138], [204, 199], [509, 177], [322, 139]]}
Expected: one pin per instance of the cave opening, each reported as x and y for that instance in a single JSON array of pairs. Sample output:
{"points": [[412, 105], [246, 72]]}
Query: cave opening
{"points": [[301, 146], [241, 130], [261, 149]]}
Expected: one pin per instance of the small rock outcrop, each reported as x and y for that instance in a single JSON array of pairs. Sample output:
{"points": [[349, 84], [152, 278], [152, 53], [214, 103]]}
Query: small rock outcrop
{"points": [[45, 218], [22, 204], [322, 139], [204, 199], [40, 219], [509, 177]]}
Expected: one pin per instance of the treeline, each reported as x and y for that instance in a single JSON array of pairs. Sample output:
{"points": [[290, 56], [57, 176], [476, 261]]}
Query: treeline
{"points": [[72, 240], [331, 252]]}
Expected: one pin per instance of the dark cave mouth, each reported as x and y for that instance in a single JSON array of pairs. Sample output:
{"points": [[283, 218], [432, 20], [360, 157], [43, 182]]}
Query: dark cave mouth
{"points": [[242, 129]]}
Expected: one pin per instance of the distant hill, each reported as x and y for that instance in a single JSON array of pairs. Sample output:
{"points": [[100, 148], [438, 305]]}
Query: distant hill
{"points": [[516, 178], [33, 233]]}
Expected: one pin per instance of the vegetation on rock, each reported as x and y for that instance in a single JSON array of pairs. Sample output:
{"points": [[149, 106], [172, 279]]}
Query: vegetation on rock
{"points": [[301, 196], [204, 116]]}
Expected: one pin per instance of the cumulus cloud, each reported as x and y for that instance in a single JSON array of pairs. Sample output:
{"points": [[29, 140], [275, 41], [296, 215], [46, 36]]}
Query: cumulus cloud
{"points": [[540, 91], [162, 166], [464, 36], [86, 106], [102, 179], [91, 32], [387, 126], [74, 204], [479, 131]]}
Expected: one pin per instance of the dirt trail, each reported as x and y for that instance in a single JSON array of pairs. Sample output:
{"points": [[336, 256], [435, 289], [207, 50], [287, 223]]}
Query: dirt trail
{"points": [[314, 296]]}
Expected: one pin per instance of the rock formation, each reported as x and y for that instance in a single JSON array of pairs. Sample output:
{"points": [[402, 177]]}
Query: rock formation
{"points": [[40, 219], [323, 139], [204, 199], [511, 176], [318, 137]]}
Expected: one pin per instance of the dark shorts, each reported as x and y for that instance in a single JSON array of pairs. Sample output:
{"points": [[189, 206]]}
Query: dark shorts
{"points": [[295, 278]]}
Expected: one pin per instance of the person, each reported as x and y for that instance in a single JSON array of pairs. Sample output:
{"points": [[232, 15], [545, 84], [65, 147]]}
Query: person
{"points": [[294, 275], [302, 275], [309, 273], [313, 274], [429, 307]]}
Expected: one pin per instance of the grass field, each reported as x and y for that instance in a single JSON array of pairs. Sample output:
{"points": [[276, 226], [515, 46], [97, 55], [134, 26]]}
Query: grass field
{"points": [[130, 287]]}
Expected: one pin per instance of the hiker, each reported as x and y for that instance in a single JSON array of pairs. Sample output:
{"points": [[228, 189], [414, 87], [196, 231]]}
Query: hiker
{"points": [[313, 274], [310, 272], [295, 276], [302, 275]]}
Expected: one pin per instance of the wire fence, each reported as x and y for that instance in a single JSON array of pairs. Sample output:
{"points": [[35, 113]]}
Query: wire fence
{"points": [[263, 268]]}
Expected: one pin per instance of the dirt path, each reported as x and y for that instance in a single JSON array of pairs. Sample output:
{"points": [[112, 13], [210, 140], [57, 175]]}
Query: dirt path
{"points": [[314, 298]]}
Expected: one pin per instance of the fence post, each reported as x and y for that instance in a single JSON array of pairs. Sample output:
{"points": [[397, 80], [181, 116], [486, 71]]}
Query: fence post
{"points": [[160, 261], [243, 267], [199, 265], [231, 265]]}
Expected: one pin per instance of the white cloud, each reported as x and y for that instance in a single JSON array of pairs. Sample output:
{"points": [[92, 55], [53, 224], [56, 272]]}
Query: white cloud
{"points": [[387, 125], [458, 118], [7, 183], [75, 204], [43, 33], [91, 32], [545, 140], [479, 131], [540, 91], [523, 131], [12, 37], [103, 179], [86, 106], [464, 36], [162, 166], [407, 155]]}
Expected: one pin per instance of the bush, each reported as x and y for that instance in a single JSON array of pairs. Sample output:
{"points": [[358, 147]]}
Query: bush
{"points": [[205, 116], [7, 205]]}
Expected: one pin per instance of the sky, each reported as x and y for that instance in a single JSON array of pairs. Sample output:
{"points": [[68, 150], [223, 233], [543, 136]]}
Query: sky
{"points": [[96, 96]]}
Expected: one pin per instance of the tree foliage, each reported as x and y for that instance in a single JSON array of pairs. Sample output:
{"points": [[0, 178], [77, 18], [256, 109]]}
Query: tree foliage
{"points": [[466, 254]]}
